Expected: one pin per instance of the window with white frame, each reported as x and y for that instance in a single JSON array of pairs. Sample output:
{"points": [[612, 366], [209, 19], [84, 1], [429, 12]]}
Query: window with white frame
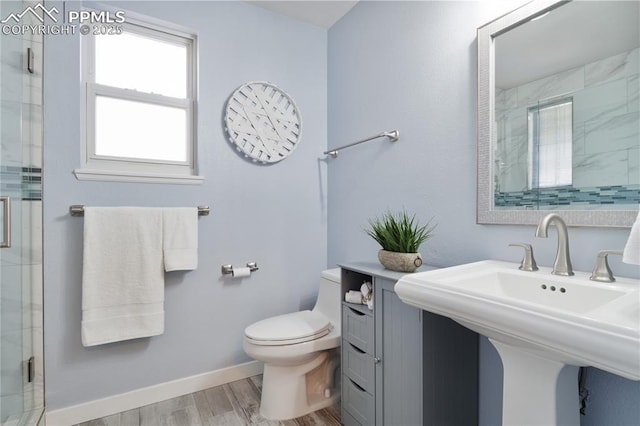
{"points": [[551, 144], [140, 98]]}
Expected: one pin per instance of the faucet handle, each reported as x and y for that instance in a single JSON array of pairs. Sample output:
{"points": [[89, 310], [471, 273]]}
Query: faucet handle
{"points": [[602, 272], [528, 262]]}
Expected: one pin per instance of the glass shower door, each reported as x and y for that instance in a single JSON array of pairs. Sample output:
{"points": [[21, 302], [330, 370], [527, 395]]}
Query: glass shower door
{"points": [[21, 382]]}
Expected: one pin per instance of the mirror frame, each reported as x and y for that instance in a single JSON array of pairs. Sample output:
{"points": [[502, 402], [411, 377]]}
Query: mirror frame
{"points": [[486, 213]]}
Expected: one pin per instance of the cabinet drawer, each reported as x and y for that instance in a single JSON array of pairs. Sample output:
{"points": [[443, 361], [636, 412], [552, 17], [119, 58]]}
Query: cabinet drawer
{"points": [[348, 420], [358, 366], [358, 403], [357, 328]]}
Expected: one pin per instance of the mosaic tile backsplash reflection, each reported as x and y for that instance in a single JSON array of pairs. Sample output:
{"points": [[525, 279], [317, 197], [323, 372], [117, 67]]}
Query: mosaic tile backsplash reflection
{"points": [[21, 182], [569, 196]]}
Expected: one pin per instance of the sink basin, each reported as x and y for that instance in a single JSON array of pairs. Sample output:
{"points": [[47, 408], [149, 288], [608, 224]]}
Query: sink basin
{"points": [[542, 325], [532, 289]]}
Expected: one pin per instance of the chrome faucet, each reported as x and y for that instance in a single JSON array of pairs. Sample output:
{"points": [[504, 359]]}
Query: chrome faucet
{"points": [[528, 261], [602, 271], [562, 264]]}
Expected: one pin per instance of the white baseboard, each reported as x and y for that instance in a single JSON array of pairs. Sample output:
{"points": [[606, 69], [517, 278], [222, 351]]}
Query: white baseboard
{"points": [[127, 401]]}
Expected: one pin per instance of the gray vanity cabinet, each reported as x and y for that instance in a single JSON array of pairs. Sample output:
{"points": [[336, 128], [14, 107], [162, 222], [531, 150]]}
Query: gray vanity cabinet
{"points": [[402, 366]]}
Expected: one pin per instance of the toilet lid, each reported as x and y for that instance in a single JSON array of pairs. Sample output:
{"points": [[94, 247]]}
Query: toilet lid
{"points": [[288, 329]]}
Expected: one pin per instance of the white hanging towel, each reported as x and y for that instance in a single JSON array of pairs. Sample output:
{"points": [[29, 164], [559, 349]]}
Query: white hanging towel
{"points": [[122, 276], [631, 253], [180, 238]]}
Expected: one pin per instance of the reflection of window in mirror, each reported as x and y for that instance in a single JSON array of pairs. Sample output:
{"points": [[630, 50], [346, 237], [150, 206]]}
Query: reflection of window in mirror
{"points": [[550, 130]]}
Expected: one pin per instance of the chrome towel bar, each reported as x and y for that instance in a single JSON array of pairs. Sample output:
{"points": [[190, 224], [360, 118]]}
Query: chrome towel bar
{"points": [[393, 136], [78, 210]]}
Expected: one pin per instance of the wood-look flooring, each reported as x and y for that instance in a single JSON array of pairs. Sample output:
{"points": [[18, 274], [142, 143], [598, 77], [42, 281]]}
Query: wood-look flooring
{"points": [[231, 404]]}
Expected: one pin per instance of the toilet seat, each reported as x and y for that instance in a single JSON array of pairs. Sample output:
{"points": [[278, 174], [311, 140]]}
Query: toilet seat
{"points": [[288, 329]]}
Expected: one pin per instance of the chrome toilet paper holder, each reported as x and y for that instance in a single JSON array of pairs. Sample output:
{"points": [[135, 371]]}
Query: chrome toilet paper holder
{"points": [[228, 269]]}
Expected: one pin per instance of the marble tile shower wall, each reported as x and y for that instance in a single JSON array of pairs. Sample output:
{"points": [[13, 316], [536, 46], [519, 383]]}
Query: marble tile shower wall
{"points": [[606, 123]]}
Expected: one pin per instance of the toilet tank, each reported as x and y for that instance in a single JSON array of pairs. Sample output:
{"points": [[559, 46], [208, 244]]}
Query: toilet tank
{"points": [[328, 302]]}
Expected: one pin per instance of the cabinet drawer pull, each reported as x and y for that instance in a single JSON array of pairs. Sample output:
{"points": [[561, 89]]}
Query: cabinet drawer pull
{"points": [[357, 349], [377, 360], [355, 311], [357, 386]]}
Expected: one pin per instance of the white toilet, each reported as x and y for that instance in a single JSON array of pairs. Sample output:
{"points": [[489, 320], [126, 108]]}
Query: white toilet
{"points": [[300, 355]]}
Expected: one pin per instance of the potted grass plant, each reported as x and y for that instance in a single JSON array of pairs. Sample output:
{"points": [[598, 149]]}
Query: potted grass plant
{"points": [[400, 236]]}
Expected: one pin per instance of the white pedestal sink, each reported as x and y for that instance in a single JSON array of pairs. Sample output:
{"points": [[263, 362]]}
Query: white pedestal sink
{"points": [[543, 326]]}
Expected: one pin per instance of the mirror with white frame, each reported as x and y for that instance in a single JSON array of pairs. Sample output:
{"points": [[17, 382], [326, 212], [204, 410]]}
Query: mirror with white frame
{"points": [[559, 114]]}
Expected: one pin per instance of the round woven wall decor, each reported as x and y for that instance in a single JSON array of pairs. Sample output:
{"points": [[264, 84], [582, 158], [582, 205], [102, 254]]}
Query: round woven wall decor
{"points": [[263, 122]]}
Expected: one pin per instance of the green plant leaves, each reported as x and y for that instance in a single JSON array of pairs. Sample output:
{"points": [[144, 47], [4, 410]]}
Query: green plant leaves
{"points": [[399, 232]]}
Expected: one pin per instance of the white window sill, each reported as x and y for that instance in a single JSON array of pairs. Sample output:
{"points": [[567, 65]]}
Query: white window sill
{"points": [[124, 176]]}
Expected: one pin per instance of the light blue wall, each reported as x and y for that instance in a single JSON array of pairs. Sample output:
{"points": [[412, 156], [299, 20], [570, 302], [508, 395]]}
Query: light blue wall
{"points": [[411, 66], [274, 215]]}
